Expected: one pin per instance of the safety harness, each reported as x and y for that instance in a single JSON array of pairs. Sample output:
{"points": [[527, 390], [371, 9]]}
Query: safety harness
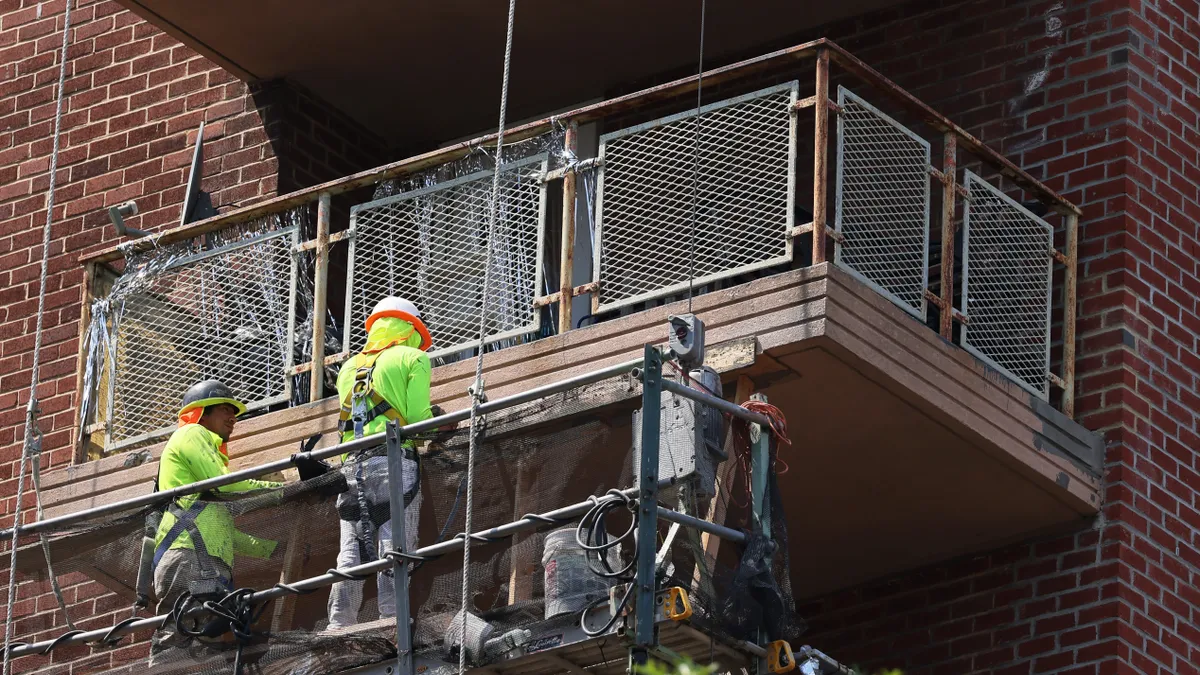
{"points": [[210, 580], [360, 407], [363, 403]]}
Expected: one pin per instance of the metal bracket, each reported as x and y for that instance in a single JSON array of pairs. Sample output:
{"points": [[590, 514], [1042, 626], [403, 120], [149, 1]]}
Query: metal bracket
{"points": [[117, 215], [482, 394]]}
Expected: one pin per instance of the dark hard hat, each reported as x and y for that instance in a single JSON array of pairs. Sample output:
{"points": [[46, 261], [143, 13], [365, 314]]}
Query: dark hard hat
{"points": [[207, 393]]}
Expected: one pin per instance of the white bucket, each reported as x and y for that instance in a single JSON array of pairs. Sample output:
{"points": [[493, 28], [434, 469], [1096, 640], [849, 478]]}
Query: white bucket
{"points": [[570, 585]]}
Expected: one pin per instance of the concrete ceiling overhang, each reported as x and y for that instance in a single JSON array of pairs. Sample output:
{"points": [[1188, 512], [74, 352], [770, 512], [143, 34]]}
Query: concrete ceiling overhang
{"points": [[424, 73]]}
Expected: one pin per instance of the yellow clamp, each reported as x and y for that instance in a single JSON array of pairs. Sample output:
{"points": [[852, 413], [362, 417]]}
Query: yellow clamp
{"points": [[779, 657], [676, 598]]}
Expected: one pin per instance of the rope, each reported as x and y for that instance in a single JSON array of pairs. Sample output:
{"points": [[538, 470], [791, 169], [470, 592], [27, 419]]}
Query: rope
{"points": [[33, 436], [54, 585], [696, 160], [477, 389]]}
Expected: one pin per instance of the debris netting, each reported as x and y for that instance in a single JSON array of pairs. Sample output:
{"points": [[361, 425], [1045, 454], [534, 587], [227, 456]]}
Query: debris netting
{"points": [[528, 591]]}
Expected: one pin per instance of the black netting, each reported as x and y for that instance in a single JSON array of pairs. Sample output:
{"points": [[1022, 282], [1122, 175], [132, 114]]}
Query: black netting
{"points": [[528, 591]]}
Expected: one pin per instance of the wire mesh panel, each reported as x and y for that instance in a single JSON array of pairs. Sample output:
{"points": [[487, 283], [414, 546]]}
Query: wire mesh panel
{"points": [[430, 246], [882, 203], [1007, 280], [227, 314], [742, 197]]}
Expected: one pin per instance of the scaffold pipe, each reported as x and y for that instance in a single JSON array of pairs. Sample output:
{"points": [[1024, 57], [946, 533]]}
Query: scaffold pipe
{"points": [[533, 521]]}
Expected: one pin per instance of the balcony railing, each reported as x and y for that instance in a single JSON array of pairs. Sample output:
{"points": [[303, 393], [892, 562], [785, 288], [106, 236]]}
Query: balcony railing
{"points": [[676, 200]]}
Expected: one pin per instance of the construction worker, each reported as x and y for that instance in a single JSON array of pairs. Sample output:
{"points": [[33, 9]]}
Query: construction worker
{"points": [[196, 540], [389, 380]]}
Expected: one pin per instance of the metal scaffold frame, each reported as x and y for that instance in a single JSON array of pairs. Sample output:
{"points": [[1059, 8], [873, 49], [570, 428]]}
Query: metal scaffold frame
{"points": [[641, 632]]}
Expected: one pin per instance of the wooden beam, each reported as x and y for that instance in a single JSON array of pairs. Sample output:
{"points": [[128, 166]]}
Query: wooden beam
{"points": [[726, 473], [285, 607]]}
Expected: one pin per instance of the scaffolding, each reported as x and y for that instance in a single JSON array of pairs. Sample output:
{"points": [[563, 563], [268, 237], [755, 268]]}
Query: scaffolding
{"points": [[674, 602]]}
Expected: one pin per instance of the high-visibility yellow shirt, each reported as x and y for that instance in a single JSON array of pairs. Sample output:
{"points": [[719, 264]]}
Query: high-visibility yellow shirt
{"points": [[191, 455]]}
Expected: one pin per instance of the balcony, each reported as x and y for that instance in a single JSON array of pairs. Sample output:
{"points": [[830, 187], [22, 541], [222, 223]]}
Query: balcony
{"points": [[902, 293]]}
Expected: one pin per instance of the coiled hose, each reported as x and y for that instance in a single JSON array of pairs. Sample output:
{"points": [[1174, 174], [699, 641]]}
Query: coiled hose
{"points": [[234, 612], [592, 536]]}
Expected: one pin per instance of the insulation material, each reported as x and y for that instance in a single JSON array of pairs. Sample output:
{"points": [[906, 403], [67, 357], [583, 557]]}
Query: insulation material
{"points": [[424, 237], [233, 306]]}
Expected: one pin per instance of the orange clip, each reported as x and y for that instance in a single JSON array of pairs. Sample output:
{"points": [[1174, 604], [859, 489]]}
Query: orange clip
{"points": [[678, 596], [779, 657]]}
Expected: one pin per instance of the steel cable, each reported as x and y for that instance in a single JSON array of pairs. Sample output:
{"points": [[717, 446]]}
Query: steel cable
{"points": [[477, 389]]}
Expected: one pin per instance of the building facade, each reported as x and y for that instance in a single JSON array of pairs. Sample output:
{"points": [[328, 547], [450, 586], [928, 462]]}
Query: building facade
{"points": [[1098, 99]]}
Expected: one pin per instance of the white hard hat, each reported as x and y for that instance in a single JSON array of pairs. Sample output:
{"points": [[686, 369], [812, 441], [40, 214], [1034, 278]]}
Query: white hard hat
{"points": [[400, 308]]}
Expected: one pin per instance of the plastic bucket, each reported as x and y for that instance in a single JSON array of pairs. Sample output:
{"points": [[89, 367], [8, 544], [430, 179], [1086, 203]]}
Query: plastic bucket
{"points": [[569, 584]]}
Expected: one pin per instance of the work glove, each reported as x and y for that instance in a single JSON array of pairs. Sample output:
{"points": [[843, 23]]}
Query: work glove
{"points": [[310, 468], [331, 488]]}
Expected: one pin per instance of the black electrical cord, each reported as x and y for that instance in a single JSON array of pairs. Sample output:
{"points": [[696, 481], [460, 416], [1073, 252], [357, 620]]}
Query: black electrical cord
{"points": [[592, 535], [612, 620], [235, 609]]}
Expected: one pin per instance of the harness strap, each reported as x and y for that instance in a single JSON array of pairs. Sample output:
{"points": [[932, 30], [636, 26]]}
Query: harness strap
{"points": [[355, 414], [185, 521]]}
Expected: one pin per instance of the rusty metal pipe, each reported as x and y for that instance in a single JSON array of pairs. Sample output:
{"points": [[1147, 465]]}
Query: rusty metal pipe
{"points": [[1070, 302], [566, 256], [583, 115], [589, 113], [820, 157], [872, 77], [320, 282]]}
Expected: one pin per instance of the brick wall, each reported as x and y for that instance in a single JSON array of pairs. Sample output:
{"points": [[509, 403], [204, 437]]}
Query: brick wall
{"points": [[1098, 97], [134, 100]]}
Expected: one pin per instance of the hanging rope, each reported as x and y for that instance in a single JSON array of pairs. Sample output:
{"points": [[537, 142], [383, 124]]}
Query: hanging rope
{"points": [[33, 435], [696, 160], [477, 388]]}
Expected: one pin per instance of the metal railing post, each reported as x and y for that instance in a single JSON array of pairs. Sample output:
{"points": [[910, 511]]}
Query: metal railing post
{"points": [[647, 530], [320, 281], [395, 453], [567, 254], [820, 156], [949, 178], [1070, 302]]}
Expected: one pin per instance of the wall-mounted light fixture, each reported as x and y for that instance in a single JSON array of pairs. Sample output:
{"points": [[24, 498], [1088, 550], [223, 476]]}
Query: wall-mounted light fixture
{"points": [[118, 214]]}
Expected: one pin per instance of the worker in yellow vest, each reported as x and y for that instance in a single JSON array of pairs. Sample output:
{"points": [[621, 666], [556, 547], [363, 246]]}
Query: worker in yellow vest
{"points": [[389, 380], [196, 540]]}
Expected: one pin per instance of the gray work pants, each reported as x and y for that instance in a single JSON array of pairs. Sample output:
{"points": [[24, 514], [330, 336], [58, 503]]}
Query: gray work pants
{"points": [[346, 597], [173, 576]]}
